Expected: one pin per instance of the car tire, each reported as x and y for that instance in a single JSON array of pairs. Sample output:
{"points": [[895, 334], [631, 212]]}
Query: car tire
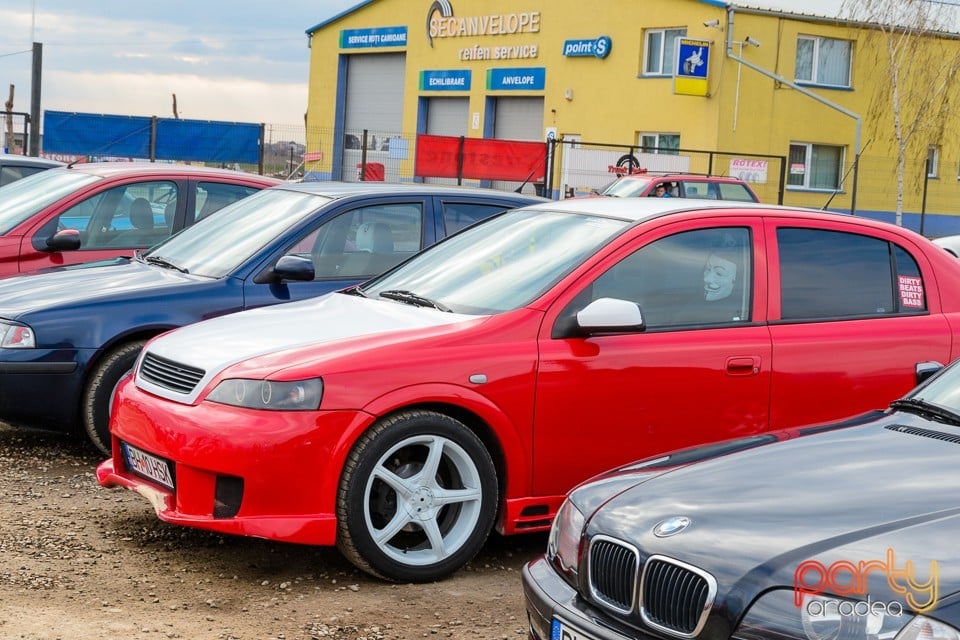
{"points": [[99, 390], [399, 524]]}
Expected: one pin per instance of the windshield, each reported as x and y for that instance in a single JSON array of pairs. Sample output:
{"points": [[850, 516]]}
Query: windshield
{"points": [[625, 188], [221, 242], [501, 264], [22, 199]]}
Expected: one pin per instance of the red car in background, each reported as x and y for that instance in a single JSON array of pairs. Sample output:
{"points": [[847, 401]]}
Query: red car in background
{"points": [[472, 386], [94, 211], [680, 185]]}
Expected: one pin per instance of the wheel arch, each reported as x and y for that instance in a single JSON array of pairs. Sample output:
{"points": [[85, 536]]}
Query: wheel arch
{"points": [[508, 443], [143, 333]]}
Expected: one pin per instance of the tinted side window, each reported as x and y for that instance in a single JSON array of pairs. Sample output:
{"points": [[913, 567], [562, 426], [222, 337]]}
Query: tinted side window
{"points": [[697, 189], [733, 191], [132, 215], [11, 173], [691, 278], [831, 274], [458, 215], [364, 242], [213, 196]]}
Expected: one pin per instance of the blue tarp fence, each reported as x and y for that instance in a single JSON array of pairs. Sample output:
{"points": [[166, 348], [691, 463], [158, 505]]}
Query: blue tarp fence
{"points": [[154, 138]]}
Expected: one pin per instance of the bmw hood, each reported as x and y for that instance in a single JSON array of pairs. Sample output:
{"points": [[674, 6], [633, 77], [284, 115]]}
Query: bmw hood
{"points": [[885, 492], [82, 284], [213, 345]]}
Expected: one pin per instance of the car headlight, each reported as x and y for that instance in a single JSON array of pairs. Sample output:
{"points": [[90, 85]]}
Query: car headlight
{"points": [[16, 336], [299, 395], [563, 545], [822, 617]]}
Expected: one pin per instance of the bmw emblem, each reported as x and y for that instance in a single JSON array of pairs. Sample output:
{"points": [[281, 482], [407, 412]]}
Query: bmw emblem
{"points": [[671, 526]]}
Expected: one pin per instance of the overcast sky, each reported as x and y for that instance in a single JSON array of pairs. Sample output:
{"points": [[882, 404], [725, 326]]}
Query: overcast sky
{"points": [[239, 61]]}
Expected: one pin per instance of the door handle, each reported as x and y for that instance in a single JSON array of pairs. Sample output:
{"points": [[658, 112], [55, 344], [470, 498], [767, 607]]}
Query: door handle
{"points": [[743, 366]]}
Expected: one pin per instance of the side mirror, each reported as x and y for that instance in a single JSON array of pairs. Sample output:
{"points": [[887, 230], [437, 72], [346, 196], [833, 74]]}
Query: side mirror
{"points": [[610, 315], [292, 267], [925, 370], [64, 240]]}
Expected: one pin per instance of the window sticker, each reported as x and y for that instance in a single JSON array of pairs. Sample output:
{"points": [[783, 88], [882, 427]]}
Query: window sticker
{"points": [[911, 292]]}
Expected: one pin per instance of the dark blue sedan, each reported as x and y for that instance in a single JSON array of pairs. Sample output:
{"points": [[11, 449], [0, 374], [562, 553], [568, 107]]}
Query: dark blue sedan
{"points": [[67, 336]]}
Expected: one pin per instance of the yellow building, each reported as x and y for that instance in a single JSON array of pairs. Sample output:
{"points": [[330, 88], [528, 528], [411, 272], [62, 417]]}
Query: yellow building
{"points": [[783, 99]]}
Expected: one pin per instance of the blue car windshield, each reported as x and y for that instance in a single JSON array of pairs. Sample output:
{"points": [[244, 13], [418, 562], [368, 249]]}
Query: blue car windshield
{"points": [[218, 244], [22, 199], [501, 264]]}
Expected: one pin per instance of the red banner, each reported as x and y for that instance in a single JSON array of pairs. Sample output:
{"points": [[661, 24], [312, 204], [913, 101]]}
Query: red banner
{"points": [[482, 159]]}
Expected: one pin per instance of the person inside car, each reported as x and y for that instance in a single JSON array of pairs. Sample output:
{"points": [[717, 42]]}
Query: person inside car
{"points": [[660, 191]]}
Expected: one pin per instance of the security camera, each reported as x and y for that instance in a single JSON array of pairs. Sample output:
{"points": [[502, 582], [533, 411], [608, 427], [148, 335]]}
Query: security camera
{"points": [[752, 42], [712, 23]]}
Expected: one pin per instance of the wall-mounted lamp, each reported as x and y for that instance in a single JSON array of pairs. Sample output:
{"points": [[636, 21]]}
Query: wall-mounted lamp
{"points": [[751, 41], [568, 94], [713, 23]]}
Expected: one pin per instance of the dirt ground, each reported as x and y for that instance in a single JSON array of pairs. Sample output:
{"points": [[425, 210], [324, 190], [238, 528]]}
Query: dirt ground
{"points": [[80, 562]]}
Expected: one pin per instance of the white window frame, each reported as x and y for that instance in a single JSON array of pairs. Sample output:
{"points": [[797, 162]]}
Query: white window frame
{"points": [[933, 155], [656, 147], [815, 62], [660, 55], [808, 167]]}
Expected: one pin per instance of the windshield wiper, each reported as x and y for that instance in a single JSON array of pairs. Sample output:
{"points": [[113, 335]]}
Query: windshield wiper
{"points": [[924, 408], [411, 298], [163, 262]]}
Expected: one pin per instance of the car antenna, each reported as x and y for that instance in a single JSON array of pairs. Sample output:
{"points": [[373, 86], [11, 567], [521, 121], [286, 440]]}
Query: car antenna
{"points": [[837, 190]]}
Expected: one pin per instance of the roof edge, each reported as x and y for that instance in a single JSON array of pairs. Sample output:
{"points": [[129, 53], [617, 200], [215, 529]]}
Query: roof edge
{"points": [[320, 25]]}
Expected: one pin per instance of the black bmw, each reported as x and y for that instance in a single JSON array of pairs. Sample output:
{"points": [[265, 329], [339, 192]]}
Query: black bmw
{"points": [[847, 531]]}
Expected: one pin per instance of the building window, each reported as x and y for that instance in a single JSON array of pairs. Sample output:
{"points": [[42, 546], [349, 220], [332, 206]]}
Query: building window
{"points": [[814, 166], [659, 50], [933, 161], [823, 61], [668, 143]]}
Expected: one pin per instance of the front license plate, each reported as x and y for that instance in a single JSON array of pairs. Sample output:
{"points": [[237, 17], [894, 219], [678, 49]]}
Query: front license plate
{"points": [[560, 631], [148, 466]]}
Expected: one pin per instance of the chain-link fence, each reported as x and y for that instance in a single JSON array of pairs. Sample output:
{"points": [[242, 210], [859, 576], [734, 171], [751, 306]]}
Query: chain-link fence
{"points": [[14, 131], [576, 167], [584, 167]]}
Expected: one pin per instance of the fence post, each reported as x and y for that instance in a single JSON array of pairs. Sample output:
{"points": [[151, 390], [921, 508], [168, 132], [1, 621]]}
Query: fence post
{"points": [[783, 179], [923, 204], [260, 154], [153, 139], [363, 157]]}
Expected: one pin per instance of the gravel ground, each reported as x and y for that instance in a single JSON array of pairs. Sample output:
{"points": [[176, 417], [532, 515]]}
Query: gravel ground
{"points": [[78, 561]]}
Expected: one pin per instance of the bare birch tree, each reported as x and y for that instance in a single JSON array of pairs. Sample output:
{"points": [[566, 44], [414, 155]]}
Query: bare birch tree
{"points": [[917, 51]]}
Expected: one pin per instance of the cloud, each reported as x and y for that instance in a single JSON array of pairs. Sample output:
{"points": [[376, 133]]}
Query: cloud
{"points": [[231, 61], [198, 97]]}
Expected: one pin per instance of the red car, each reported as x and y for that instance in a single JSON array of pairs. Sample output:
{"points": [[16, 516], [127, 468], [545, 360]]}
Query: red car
{"points": [[470, 387], [93, 211], [680, 185]]}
